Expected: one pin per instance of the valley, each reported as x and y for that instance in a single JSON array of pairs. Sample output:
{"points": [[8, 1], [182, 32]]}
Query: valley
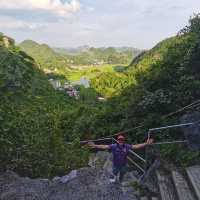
{"points": [[37, 121]]}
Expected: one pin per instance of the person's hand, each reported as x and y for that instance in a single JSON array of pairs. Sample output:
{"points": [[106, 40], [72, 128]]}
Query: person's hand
{"points": [[91, 144], [149, 141]]}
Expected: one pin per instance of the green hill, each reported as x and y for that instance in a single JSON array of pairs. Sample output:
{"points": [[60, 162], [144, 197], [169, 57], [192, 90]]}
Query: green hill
{"points": [[31, 139], [96, 56], [87, 61], [57, 57], [45, 56]]}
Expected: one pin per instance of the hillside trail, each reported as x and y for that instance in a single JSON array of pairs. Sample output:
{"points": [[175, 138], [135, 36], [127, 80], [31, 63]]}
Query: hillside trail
{"points": [[164, 182], [89, 183]]}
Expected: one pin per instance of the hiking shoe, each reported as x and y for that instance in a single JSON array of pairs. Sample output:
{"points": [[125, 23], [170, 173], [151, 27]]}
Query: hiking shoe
{"points": [[113, 179]]}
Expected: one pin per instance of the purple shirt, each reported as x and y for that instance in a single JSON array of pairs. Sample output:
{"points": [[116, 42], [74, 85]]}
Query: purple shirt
{"points": [[120, 153]]}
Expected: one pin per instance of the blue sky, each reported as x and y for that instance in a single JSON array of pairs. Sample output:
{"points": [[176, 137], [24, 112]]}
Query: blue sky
{"points": [[71, 23]]}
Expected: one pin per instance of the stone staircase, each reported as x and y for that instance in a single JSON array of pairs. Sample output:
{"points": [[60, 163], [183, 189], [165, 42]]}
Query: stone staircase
{"points": [[92, 183], [177, 184]]}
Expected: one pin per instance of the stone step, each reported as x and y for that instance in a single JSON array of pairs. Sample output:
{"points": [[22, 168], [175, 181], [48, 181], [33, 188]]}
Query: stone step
{"points": [[154, 198], [181, 186], [194, 177], [167, 191], [146, 198], [143, 198]]}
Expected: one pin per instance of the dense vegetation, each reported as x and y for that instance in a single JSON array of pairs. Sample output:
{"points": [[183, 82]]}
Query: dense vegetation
{"points": [[36, 120], [165, 79], [44, 55], [111, 84], [31, 139]]}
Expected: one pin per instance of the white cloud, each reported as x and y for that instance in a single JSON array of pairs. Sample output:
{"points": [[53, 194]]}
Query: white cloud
{"points": [[11, 23], [52, 6], [91, 9], [99, 22]]}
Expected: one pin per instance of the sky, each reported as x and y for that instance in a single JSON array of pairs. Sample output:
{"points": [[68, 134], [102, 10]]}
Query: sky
{"points": [[72, 23]]}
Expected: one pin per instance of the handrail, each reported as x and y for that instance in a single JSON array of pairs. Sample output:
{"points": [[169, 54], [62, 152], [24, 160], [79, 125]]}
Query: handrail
{"points": [[101, 139], [150, 130], [171, 126], [183, 108], [134, 163], [197, 102], [169, 142], [86, 141], [135, 154]]}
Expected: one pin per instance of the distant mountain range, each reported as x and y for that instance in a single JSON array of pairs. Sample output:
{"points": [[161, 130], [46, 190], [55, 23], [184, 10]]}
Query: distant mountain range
{"points": [[86, 48], [49, 57], [71, 50]]}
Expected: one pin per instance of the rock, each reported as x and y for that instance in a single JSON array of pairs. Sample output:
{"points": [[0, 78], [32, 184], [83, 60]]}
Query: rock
{"points": [[13, 187], [6, 41], [91, 183], [192, 133], [92, 160], [70, 176], [56, 178], [148, 180]]}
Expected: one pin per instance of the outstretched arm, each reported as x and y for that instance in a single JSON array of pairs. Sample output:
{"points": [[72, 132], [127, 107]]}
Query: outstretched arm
{"points": [[100, 146], [140, 146]]}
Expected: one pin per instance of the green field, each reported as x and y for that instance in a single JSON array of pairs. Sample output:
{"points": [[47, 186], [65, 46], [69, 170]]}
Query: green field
{"points": [[89, 72]]}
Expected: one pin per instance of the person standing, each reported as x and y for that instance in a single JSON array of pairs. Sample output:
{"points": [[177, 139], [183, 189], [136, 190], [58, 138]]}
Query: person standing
{"points": [[120, 152]]}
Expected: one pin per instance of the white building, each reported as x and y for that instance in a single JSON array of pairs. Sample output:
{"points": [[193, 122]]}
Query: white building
{"points": [[55, 83]]}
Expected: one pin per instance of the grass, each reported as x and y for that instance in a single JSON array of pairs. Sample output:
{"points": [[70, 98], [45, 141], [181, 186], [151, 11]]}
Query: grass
{"points": [[87, 71]]}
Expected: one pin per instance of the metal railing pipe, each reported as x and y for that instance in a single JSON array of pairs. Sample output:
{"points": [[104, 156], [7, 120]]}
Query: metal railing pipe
{"points": [[134, 163], [169, 142], [136, 155], [172, 126]]}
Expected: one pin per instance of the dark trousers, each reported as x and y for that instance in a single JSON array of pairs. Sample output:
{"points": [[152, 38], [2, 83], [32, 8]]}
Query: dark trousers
{"points": [[121, 170]]}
